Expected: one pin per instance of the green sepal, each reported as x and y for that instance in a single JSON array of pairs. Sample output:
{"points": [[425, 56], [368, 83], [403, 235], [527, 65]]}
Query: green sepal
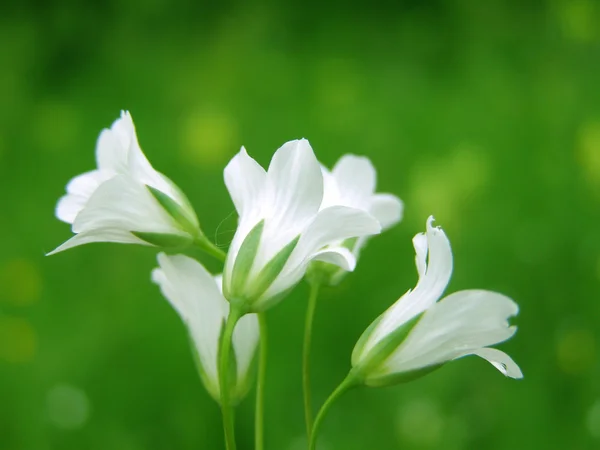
{"points": [[397, 378], [271, 271], [243, 264], [164, 240], [362, 340], [385, 347], [175, 210]]}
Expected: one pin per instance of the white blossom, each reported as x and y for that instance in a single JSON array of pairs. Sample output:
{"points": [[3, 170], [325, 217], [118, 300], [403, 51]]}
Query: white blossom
{"points": [[196, 296], [125, 200], [352, 182], [419, 333], [282, 227]]}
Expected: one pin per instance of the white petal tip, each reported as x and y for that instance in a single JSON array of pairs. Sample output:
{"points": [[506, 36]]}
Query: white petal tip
{"points": [[500, 361], [430, 221], [511, 371]]}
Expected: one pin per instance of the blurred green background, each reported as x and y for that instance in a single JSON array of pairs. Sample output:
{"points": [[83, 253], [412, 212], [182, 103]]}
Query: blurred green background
{"points": [[485, 114]]}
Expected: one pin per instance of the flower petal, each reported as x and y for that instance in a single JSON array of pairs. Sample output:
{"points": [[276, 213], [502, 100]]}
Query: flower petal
{"points": [[421, 249], [112, 147], [123, 203], [434, 278], [79, 190], [386, 208], [459, 324], [339, 256], [499, 360], [331, 193], [193, 293], [356, 178], [99, 235], [245, 180], [245, 343], [69, 206], [334, 224], [294, 187]]}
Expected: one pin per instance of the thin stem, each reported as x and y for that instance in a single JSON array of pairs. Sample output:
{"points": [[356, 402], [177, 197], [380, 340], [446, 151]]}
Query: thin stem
{"points": [[224, 355], [349, 382], [204, 244], [310, 314], [260, 384]]}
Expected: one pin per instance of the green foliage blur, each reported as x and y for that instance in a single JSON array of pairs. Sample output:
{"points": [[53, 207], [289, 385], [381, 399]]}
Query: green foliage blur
{"points": [[483, 113]]}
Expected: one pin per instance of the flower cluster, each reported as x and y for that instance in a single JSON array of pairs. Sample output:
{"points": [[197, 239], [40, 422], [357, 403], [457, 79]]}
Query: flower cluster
{"points": [[297, 219]]}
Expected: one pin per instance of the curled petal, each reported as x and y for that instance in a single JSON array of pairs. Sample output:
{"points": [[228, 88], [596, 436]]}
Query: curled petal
{"points": [[334, 224], [339, 256], [433, 279]]}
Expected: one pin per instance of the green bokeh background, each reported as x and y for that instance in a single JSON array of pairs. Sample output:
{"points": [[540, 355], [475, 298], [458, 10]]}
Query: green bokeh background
{"points": [[485, 114]]}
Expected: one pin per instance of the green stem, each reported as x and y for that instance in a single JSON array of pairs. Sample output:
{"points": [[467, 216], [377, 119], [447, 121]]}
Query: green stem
{"points": [[260, 385], [310, 314], [204, 244], [349, 382], [224, 357]]}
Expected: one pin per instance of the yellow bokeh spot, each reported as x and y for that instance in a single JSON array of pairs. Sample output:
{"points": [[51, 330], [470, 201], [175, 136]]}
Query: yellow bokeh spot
{"points": [[579, 19], [208, 138], [18, 341], [593, 420], [576, 351], [588, 151], [446, 185], [21, 282]]}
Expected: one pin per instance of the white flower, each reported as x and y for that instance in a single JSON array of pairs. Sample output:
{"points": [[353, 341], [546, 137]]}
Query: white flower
{"points": [[352, 183], [196, 296], [125, 200], [281, 228], [416, 334]]}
